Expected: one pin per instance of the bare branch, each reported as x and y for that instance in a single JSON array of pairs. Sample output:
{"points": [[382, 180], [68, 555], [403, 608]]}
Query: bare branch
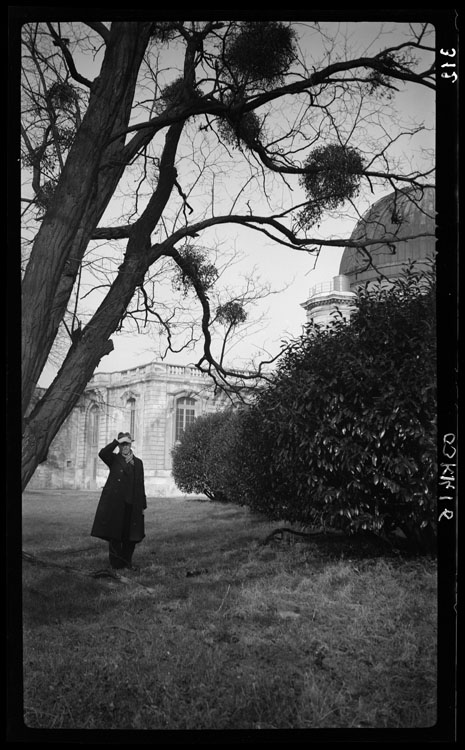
{"points": [[177, 142], [63, 45], [100, 28]]}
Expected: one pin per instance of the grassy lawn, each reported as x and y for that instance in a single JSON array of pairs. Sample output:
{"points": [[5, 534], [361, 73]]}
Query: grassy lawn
{"points": [[217, 631]]}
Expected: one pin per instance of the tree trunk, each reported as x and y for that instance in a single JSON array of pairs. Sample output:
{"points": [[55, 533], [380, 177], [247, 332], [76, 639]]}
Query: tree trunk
{"points": [[68, 224], [48, 415]]}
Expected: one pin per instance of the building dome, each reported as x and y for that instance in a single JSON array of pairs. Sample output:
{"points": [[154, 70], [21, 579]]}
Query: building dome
{"points": [[397, 215]]}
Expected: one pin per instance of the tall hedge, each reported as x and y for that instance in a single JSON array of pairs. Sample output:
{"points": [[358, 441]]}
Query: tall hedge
{"points": [[346, 433]]}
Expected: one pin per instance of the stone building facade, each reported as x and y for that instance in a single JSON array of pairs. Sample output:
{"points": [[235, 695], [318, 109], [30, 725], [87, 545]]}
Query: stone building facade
{"points": [[154, 402]]}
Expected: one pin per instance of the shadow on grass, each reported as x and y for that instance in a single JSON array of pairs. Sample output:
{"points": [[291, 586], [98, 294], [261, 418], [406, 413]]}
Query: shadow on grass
{"points": [[59, 596]]}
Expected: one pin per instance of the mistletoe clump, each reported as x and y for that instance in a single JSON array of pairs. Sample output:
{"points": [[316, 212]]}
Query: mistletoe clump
{"points": [[194, 270], [379, 81], [261, 52], [332, 175], [231, 313], [44, 196], [175, 92], [61, 95], [241, 129]]}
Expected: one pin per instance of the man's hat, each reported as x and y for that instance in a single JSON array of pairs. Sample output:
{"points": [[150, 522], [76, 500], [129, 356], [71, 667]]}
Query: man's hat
{"points": [[124, 437]]}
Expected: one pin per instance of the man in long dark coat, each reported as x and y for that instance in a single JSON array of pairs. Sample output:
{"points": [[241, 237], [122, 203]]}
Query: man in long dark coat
{"points": [[119, 518]]}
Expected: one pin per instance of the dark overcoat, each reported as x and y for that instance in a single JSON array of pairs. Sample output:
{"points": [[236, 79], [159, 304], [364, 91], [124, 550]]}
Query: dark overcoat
{"points": [[119, 487]]}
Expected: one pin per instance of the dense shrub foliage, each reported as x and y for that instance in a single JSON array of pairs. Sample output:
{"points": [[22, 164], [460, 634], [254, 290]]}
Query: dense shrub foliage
{"points": [[193, 467], [345, 435], [228, 465], [208, 459], [347, 431]]}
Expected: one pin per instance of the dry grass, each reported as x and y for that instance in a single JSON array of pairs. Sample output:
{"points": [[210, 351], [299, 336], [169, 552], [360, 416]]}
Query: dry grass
{"points": [[218, 632]]}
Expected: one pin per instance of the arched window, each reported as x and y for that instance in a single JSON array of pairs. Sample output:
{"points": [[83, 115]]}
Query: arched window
{"points": [[131, 405], [185, 414], [94, 419]]}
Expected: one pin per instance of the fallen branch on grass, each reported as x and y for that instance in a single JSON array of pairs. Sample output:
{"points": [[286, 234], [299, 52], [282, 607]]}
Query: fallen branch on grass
{"points": [[93, 574]]}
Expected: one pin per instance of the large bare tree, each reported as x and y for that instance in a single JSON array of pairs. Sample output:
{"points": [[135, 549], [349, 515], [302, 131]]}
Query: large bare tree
{"points": [[141, 138]]}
